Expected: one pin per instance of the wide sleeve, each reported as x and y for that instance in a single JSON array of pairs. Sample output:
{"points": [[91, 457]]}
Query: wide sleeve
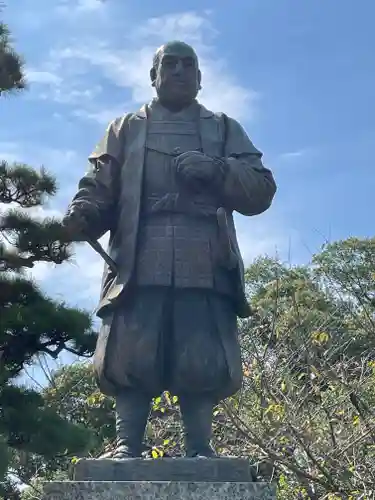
{"points": [[247, 187], [98, 189]]}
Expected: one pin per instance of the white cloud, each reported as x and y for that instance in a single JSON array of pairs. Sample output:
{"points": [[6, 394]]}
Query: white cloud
{"points": [[191, 27], [129, 68], [43, 77], [73, 7], [71, 74], [221, 92], [74, 96], [48, 85], [124, 68], [25, 152], [293, 154], [90, 5], [103, 116], [37, 154]]}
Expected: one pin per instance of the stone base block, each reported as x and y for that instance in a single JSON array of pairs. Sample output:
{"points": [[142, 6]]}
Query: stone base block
{"points": [[165, 469], [161, 490]]}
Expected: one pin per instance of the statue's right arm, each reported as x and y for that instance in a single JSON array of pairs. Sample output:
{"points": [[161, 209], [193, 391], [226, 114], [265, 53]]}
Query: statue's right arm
{"points": [[96, 197], [98, 190]]}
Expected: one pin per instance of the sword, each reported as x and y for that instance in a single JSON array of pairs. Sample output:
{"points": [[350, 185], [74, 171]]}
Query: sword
{"points": [[228, 256], [95, 245]]}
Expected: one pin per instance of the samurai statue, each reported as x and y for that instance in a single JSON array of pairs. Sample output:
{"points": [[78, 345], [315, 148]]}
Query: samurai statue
{"points": [[165, 181]]}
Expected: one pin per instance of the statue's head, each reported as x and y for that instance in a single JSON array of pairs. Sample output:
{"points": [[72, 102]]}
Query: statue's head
{"points": [[175, 74]]}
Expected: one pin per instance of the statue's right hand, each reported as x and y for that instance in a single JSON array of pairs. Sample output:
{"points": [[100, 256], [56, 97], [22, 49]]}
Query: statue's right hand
{"points": [[77, 221]]}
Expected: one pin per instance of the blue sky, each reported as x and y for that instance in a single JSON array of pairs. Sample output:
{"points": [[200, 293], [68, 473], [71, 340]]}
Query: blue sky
{"points": [[298, 74]]}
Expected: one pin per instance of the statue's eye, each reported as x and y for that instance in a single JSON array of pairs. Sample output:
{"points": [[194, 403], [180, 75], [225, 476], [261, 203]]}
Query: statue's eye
{"points": [[169, 63], [188, 63]]}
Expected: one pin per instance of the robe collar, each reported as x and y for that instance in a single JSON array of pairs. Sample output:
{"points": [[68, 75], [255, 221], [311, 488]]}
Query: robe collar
{"points": [[204, 112]]}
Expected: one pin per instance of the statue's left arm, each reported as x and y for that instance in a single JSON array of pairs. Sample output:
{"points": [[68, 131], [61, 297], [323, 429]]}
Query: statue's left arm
{"points": [[246, 185]]}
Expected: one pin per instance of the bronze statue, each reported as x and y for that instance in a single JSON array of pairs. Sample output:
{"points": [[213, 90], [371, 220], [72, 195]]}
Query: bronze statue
{"points": [[165, 182]]}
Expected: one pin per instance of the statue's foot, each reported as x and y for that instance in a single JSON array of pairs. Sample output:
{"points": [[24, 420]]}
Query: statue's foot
{"points": [[203, 455], [121, 452], [206, 452]]}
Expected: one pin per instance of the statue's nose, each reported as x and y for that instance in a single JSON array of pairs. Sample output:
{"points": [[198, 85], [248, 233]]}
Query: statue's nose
{"points": [[178, 68]]}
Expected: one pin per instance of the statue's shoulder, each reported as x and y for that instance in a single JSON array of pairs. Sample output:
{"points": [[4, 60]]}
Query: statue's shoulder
{"points": [[222, 120], [119, 125], [219, 116], [207, 113], [124, 119], [119, 121]]}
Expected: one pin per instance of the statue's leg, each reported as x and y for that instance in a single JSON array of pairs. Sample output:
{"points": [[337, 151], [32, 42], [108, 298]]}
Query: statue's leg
{"points": [[132, 411], [206, 362], [196, 411], [134, 367]]}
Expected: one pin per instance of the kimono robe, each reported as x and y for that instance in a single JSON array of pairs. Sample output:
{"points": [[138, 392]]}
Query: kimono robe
{"points": [[169, 315]]}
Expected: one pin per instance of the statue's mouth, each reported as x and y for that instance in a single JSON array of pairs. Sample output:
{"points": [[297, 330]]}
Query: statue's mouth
{"points": [[179, 82]]}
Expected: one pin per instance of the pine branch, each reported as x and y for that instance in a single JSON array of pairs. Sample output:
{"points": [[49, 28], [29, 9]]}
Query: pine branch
{"points": [[29, 424], [32, 241], [10, 260], [11, 64], [31, 323], [24, 185], [4, 32]]}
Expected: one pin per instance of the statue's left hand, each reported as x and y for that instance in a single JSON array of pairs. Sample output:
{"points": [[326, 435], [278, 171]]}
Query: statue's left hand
{"points": [[195, 167]]}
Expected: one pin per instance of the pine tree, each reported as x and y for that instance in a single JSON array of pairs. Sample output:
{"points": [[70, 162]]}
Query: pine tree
{"points": [[11, 65], [31, 324]]}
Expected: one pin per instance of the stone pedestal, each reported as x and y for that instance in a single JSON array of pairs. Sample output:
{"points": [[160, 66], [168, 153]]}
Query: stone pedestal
{"points": [[165, 469], [161, 479]]}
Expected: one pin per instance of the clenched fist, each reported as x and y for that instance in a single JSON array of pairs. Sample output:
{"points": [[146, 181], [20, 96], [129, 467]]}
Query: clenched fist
{"points": [[196, 168], [78, 220]]}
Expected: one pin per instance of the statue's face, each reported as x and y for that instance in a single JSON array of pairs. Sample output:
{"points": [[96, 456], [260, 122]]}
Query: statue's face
{"points": [[177, 76]]}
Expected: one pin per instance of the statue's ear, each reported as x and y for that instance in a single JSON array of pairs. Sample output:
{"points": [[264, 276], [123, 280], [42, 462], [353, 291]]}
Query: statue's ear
{"points": [[199, 79], [153, 76]]}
